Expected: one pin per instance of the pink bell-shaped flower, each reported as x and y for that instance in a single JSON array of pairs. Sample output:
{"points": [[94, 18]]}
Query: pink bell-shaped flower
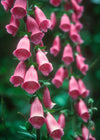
{"points": [[78, 26], [82, 110], [33, 27], [80, 64], [37, 118], [83, 91], [86, 134], [55, 49], [68, 55], [41, 19], [78, 49], [55, 2], [61, 120], [74, 90], [47, 99], [22, 51], [65, 23], [54, 129], [75, 37], [19, 9], [74, 17], [31, 84], [59, 77], [53, 20], [19, 74], [7, 4], [43, 64], [12, 28]]}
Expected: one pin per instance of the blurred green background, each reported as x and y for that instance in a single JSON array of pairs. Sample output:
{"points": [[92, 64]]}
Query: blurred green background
{"points": [[14, 102]]}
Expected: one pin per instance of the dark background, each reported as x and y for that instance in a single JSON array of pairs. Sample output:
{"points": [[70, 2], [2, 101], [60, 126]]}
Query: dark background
{"points": [[14, 100]]}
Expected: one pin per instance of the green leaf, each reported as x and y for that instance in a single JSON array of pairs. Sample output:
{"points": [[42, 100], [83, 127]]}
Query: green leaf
{"points": [[27, 134]]}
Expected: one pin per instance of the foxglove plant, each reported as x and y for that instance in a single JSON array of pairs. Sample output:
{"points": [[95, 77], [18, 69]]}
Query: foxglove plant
{"points": [[29, 77]]}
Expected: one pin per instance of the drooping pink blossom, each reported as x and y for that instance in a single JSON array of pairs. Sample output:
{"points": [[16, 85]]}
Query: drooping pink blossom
{"points": [[65, 23], [12, 28], [80, 64], [41, 19], [55, 49], [55, 2], [31, 84], [86, 134], [59, 77], [7, 4], [82, 110], [83, 91], [37, 118], [43, 64], [54, 129], [68, 55], [74, 90], [47, 99], [18, 77], [78, 49], [22, 51], [61, 120], [74, 17], [75, 37], [19, 9], [78, 26], [53, 20], [32, 26]]}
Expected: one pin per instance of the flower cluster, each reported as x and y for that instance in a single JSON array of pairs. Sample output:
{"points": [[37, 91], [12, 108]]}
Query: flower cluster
{"points": [[27, 77]]}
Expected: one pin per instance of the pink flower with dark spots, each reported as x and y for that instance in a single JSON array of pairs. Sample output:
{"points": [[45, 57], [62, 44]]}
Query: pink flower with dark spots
{"points": [[12, 28], [19, 9], [59, 77], [82, 110], [31, 84], [19, 74], [41, 19], [37, 118], [74, 90], [53, 127], [43, 64], [65, 23], [83, 91], [22, 51], [47, 99], [55, 2], [55, 49], [80, 64], [68, 55]]}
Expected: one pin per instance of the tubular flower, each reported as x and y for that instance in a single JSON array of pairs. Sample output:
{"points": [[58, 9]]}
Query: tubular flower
{"points": [[59, 77], [78, 26], [54, 129], [33, 27], [52, 20], [31, 84], [80, 64], [47, 99], [37, 118], [19, 9], [61, 120], [68, 55], [83, 91], [82, 110], [7, 4], [12, 28], [86, 134], [74, 90], [55, 49], [44, 65], [55, 2], [65, 23], [19, 74], [22, 51], [41, 19]]}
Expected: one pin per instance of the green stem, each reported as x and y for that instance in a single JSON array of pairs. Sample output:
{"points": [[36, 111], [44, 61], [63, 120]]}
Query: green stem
{"points": [[38, 137]]}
